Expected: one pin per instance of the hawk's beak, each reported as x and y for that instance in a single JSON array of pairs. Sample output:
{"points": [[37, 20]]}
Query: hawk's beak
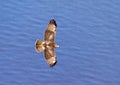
{"points": [[57, 46]]}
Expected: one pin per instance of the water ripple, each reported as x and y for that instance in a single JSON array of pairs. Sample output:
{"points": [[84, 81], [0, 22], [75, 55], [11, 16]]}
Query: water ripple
{"points": [[88, 35]]}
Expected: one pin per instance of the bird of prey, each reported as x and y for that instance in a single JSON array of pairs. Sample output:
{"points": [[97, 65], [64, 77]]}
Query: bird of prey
{"points": [[48, 44]]}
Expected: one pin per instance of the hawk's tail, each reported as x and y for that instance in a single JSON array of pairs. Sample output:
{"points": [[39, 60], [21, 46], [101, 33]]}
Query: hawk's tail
{"points": [[39, 45]]}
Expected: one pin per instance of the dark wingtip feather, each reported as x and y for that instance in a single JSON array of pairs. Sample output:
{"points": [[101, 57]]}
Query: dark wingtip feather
{"points": [[53, 64], [52, 21]]}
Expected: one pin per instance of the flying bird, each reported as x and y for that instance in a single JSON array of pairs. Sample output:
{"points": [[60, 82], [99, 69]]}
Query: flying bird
{"points": [[48, 44]]}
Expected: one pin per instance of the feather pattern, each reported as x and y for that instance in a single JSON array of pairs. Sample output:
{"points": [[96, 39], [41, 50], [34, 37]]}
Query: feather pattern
{"points": [[48, 45]]}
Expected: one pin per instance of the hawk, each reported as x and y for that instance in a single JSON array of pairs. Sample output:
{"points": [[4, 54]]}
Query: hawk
{"points": [[48, 44]]}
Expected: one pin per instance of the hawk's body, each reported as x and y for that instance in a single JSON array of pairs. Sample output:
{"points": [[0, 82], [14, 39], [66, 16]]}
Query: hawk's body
{"points": [[48, 45]]}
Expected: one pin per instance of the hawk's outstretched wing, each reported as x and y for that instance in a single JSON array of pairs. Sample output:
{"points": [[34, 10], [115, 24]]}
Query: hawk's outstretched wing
{"points": [[50, 31], [50, 56]]}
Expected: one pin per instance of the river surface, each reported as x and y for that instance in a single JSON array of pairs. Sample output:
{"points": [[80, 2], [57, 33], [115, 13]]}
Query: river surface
{"points": [[88, 33]]}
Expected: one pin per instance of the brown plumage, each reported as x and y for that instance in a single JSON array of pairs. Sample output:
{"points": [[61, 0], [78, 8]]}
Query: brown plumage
{"points": [[48, 44]]}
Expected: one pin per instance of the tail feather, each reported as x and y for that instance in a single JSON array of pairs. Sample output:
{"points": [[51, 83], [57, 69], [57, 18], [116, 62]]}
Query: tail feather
{"points": [[39, 46]]}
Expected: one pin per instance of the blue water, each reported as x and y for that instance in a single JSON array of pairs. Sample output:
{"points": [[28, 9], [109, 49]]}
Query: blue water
{"points": [[88, 34]]}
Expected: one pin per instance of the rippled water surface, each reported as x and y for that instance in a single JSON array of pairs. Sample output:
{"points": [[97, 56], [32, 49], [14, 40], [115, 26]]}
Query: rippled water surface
{"points": [[88, 34]]}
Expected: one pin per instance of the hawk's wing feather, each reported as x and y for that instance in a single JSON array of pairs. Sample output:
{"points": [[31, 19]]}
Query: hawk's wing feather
{"points": [[50, 56], [50, 31], [49, 35]]}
